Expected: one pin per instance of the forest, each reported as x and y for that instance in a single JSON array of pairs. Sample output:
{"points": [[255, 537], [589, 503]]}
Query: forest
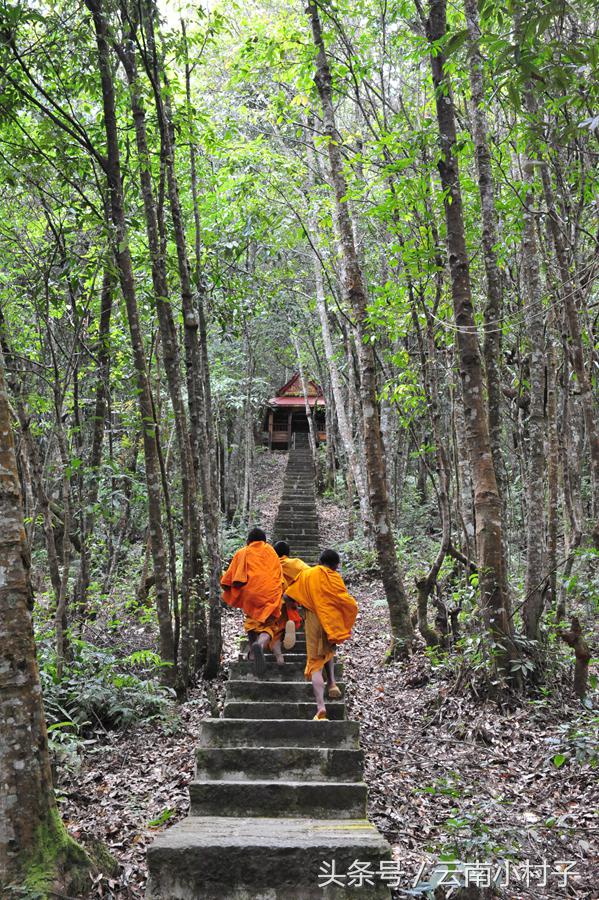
{"points": [[393, 207]]}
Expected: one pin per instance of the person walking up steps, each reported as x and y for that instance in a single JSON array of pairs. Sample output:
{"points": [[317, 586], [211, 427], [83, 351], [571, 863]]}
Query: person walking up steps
{"points": [[330, 615], [254, 583], [291, 566]]}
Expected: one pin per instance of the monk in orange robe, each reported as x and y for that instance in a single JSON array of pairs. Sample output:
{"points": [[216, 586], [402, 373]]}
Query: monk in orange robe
{"points": [[330, 616], [254, 583], [291, 566]]}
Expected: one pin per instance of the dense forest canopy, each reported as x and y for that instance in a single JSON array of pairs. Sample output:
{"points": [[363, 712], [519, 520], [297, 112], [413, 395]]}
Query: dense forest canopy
{"points": [[398, 201]]}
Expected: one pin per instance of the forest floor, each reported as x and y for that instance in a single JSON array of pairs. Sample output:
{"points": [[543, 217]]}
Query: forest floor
{"points": [[451, 775]]}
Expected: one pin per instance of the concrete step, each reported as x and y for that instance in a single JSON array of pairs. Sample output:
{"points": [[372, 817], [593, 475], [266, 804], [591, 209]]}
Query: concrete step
{"points": [[279, 709], [289, 655], [294, 763], [289, 691], [296, 527], [278, 733], [243, 669], [219, 858], [322, 799]]}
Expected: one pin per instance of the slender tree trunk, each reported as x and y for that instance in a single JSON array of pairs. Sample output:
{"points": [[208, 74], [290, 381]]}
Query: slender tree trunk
{"points": [[99, 426], [487, 501], [494, 305], [552, 471], [343, 424], [570, 293], [426, 584], [33, 840], [354, 292], [535, 479], [30, 449], [127, 280], [193, 353], [192, 565]]}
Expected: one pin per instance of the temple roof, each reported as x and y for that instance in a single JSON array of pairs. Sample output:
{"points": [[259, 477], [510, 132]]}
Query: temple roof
{"points": [[291, 394]]}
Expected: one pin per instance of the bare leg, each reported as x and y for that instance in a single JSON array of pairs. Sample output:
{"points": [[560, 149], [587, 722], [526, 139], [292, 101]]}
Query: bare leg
{"points": [[251, 635], [334, 693], [278, 653], [318, 688], [258, 648], [330, 669]]}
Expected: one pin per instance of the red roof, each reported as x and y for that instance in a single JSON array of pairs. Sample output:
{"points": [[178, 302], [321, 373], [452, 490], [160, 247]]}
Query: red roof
{"points": [[295, 401], [291, 394]]}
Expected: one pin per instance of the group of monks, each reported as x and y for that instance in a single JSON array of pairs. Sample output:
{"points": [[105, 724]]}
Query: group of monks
{"points": [[278, 594]]}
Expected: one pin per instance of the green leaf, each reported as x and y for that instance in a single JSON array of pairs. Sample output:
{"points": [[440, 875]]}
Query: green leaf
{"points": [[558, 760], [455, 41]]}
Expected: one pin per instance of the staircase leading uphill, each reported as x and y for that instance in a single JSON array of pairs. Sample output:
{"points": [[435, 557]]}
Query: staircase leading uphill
{"points": [[297, 519], [277, 798]]}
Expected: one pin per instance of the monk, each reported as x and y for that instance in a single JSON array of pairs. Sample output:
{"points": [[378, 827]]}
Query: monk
{"points": [[291, 566], [253, 582], [330, 616]]}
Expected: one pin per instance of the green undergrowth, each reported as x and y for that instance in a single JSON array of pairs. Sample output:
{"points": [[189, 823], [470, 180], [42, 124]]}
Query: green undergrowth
{"points": [[100, 689]]}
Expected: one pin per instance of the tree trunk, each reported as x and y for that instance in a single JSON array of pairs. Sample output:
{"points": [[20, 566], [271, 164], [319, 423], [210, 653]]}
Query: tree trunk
{"points": [[490, 240], [127, 281], [354, 292], [99, 422], [570, 293], [343, 424], [193, 352], [192, 566], [575, 639], [33, 840], [487, 501], [535, 480]]}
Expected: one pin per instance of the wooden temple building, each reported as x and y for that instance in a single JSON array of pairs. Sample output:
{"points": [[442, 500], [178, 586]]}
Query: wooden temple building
{"points": [[286, 418]]}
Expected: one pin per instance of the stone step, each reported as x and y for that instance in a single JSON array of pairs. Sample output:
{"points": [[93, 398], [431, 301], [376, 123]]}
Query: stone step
{"points": [[244, 669], [298, 529], [219, 858], [288, 655], [322, 799], [295, 520], [260, 709], [289, 691], [278, 733], [295, 763]]}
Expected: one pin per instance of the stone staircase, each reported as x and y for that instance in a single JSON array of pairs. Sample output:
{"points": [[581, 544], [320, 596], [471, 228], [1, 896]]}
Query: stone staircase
{"points": [[297, 518], [277, 797]]}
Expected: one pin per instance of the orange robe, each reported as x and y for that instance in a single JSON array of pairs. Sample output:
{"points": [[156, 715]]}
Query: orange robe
{"points": [[253, 582], [291, 566], [331, 612]]}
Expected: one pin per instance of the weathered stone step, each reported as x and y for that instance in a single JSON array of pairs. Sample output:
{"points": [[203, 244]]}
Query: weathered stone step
{"points": [[290, 691], [290, 657], [322, 799], [295, 763], [299, 523], [244, 669], [278, 733], [297, 529], [219, 858], [261, 709]]}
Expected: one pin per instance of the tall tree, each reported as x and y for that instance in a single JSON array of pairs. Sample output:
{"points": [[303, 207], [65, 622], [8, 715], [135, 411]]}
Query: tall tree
{"points": [[355, 293], [36, 852], [112, 166], [487, 502]]}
